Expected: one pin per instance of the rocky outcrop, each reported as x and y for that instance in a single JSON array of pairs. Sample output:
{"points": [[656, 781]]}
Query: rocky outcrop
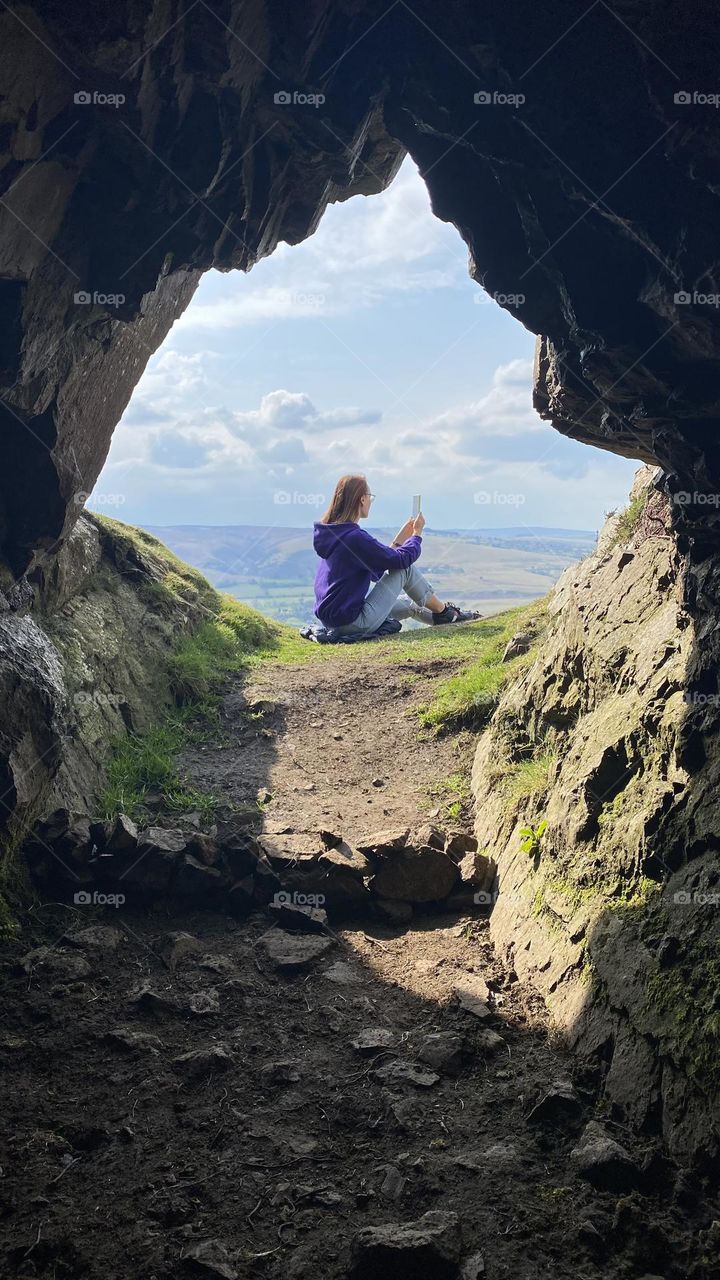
{"points": [[610, 737], [87, 663], [576, 153]]}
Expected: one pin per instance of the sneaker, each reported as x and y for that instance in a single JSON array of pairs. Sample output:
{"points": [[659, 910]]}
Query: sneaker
{"points": [[451, 613]]}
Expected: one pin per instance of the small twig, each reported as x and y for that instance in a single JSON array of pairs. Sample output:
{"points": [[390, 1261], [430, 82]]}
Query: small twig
{"points": [[62, 1172]]}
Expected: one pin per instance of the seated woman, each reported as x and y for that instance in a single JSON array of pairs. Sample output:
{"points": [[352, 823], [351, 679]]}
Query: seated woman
{"points": [[351, 559]]}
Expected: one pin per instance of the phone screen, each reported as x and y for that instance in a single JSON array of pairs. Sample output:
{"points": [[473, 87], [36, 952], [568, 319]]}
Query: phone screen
{"points": [[417, 505]]}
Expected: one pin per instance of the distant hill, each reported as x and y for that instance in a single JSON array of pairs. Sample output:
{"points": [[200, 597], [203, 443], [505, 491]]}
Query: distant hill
{"points": [[273, 568]]}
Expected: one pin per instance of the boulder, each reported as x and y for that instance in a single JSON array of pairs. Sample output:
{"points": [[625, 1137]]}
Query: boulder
{"points": [[427, 1249], [402, 1072], [204, 1062], [457, 845], [445, 1051], [204, 848], [560, 1107], [472, 994], [239, 852], [97, 937], [289, 954], [52, 960], [415, 875], [198, 883], [372, 1040], [378, 843], [175, 947], [121, 835], [428, 835], [517, 645], [152, 865], [477, 871], [342, 857], [603, 1161]]}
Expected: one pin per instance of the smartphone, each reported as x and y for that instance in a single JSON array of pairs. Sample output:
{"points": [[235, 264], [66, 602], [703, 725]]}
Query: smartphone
{"points": [[417, 505]]}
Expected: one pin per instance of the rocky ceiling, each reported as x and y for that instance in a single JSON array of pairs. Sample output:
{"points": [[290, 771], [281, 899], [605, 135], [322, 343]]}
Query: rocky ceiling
{"points": [[575, 147]]}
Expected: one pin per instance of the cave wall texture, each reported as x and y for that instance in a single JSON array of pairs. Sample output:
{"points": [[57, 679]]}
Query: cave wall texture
{"points": [[574, 147]]}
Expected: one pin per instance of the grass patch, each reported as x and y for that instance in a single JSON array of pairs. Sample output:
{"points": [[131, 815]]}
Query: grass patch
{"points": [[145, 763], [528, 778], [469, 698], [629, 519], [452, 794], [218, 647]]}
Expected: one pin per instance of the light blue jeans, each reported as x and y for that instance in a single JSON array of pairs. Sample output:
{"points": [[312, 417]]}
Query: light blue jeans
{"points": [[382, 602]]}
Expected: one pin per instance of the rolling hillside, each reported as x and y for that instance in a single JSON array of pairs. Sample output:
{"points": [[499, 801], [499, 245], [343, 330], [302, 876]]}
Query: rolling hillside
{"points": [[273, 568]]}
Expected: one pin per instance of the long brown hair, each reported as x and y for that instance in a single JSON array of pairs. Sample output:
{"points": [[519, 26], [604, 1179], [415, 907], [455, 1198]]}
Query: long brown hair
{"points": [[345, 502]]}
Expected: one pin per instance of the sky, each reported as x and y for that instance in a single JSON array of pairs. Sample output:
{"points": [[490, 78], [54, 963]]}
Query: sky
{"points": [[367, 348]]}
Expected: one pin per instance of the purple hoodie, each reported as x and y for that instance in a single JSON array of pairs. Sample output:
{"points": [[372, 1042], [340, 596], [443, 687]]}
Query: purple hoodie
{"points": [[350, 560]]}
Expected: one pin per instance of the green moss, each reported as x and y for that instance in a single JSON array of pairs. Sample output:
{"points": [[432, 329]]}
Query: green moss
{"points": [[452, 794], [683, 1003], [218, 647]]}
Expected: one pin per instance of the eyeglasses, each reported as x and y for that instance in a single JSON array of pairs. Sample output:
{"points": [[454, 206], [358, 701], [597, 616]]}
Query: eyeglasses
{"points": [[371, 496]]}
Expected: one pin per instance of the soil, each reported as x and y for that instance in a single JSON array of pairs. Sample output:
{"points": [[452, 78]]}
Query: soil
{"points": [[268, 1153]]}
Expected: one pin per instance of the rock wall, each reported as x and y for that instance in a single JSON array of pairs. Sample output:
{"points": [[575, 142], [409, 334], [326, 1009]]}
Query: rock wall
{"points": [[610, 736], [576, 153], [88, 663]]}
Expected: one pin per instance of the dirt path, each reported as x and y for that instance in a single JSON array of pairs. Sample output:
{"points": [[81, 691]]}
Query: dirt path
{"points": [[184, 1107], [337, 743]]}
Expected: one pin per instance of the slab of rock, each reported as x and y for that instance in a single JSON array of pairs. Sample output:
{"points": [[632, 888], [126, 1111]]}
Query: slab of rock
{"points": [[473, 1267], [343, 857], [457, 845], [204, 848], [210, 1258], [427, 835], [472, 994], [518, 644], [98, 937], [378, 843], [283, 851], [560, 1106], [148, 999], [489, 1042], [427, 1249], [402, 1072], [289, 954], [372, 1040], [415, 875], [153, 863], [239, 851], [121, 835], [198, 883], [445, 1051], [60, 964], [603, 1161], [176, 947], [477, 871], [134, 1041], [204, 1062]]}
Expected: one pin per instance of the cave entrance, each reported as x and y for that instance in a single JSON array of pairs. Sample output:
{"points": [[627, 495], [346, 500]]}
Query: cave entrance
{"points": [[366, 348]]}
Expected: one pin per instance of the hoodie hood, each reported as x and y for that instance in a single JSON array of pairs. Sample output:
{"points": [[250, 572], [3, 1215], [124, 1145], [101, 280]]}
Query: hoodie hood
{"points": [[326, 537]]}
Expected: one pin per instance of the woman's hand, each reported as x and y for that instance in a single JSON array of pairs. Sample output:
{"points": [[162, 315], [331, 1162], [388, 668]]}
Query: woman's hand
{"points": [[406, 532], [418, 523]]}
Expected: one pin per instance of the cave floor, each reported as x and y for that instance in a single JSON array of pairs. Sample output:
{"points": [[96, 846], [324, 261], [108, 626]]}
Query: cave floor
{"points": [[268, 1152]]}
